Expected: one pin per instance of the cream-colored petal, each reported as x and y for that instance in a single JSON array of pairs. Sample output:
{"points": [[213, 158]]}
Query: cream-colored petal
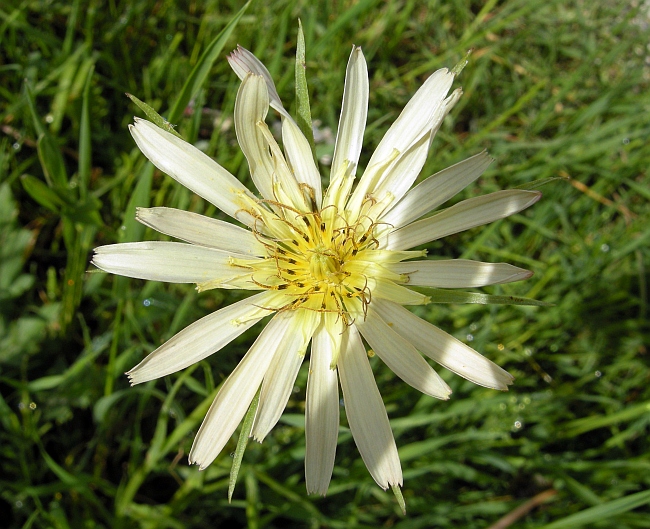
{"points": [[281, 376], [321, 414], [244, 62], [192, 168], [251, 107], [400, 356], [366, 413], [201, 230], [415, 121], [400, 177], [202, 338], [436, 189], [354, 111], [458, 273], [286, 188], [173, 262], [462, 216], [443, 348], [301, 159], [269, 169], [237, 392]]}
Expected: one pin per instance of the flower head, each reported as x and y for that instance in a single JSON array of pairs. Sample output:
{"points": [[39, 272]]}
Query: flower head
{"points": [[333, 266]]}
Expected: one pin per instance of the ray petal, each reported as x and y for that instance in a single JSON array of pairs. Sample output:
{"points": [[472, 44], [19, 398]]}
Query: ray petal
{"points": [[436, 189], [244, 62], [280, 379], [462, 216], [301, 159], [443, 348], [192, 168], [401, 357], [366, 413], [237, 392], [251, 107], [173, 262], [458, 273], [202, 338], [354, 111], [414, 123], [201, 230], [321, 414]]}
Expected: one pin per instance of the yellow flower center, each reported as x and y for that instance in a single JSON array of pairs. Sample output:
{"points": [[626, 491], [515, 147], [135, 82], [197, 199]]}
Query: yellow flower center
{"points": [[326, 260]]}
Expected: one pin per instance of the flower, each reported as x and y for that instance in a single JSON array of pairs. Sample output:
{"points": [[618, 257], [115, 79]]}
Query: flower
{"points": [[334, 267]]}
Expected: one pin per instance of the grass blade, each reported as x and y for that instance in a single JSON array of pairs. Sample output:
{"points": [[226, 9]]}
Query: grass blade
{"points": [[202, 69]]}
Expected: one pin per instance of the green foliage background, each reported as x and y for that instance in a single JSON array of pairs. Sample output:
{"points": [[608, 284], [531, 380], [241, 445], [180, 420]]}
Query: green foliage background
{"points": [[552, 89]]}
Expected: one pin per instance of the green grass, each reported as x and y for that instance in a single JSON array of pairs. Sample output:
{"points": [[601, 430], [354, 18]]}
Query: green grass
{"points": [[552, 90]]}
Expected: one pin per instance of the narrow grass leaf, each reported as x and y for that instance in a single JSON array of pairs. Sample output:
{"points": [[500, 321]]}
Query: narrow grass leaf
{"points": [[587, 424], [41, 193], [602, 512], [202, 68], [49, 153], [85, 154]]}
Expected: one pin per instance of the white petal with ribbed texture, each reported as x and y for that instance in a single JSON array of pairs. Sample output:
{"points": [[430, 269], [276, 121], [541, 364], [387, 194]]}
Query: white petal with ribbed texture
{"points": [[443, 348], [401, 357], [366, 413], [321, 414], [237, 392], [354, 111], [402, 173], [281, 377], [244, 62], [415, 121], [458, 273], [203, 338], [400, 177], [251, 107], [436, 189], [300, 158], [173, 262], [201, 230], [192, 168], [462, 216]]}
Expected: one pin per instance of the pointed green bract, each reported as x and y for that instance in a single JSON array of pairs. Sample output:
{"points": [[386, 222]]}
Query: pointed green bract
{"points": [[461, 64], [536, 184], [302, 91], [242, 442], [397, 491], [155, 118], [452, 296]]}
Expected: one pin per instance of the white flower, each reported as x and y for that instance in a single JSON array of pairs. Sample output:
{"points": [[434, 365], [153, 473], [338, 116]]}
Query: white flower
{"points": [[333, 266]]}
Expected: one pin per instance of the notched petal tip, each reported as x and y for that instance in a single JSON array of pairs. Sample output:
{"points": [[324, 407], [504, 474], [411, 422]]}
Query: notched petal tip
{"points": [[130, 377]]}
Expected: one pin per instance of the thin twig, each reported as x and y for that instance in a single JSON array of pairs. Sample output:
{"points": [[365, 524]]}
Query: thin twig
{"points": [[523, 509]]}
